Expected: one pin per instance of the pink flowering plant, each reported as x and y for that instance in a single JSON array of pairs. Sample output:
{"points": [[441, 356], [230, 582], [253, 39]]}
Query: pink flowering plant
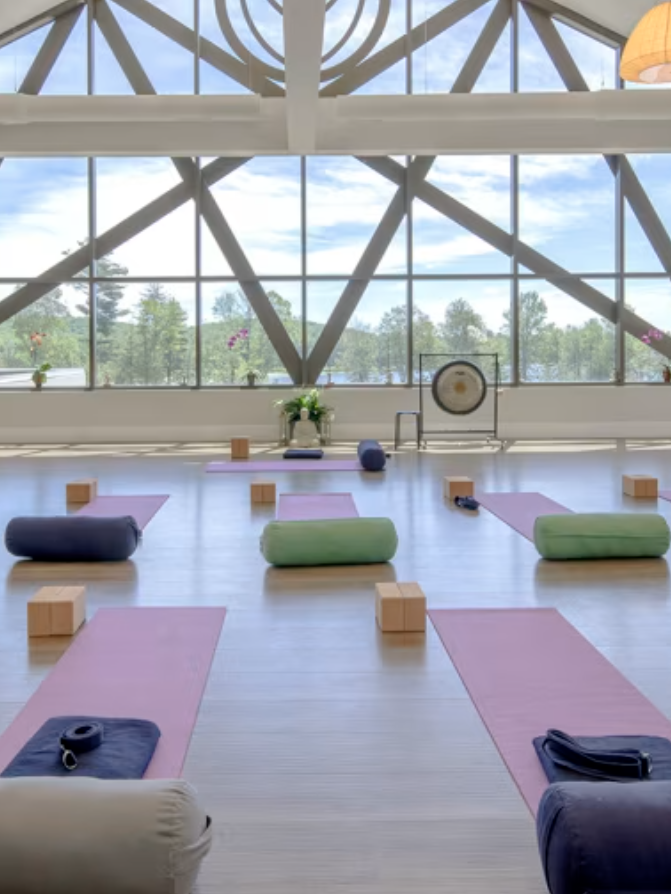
{"points": [[240, 336], [237, 343], [651, 336]]}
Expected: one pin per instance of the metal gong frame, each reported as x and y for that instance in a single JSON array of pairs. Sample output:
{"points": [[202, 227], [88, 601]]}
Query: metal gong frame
{"points": [[429, 364]]}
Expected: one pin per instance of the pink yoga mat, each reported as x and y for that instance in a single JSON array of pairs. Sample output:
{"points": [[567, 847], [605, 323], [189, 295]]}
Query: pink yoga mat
{"points": [[287, 465], [145, 663], [529, 670], [520, 511], [304, 507], [142, 508], [665, 495]]}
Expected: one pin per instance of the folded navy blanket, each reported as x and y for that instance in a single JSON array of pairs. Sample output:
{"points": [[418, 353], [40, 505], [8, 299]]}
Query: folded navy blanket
{"points": [[125, 752], [561, 765]]}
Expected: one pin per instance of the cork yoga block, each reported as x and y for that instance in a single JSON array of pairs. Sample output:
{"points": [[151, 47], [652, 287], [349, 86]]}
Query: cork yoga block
{"points": [[639, 486], [239, 448], [56, 611], [263, 492], [400, 608], [458, 486], [83, 491]]}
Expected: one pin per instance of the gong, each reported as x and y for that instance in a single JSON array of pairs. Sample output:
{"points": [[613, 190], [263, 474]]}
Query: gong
{"points": [[459, 387]]}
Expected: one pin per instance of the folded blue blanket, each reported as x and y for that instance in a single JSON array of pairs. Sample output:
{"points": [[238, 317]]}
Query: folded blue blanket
{"points": [[126, 749], [564, 767]]}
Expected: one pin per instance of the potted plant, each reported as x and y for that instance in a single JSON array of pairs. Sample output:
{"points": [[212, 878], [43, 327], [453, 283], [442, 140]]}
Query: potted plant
{"points": [[252, 375], [318, 412], [40, 375]]}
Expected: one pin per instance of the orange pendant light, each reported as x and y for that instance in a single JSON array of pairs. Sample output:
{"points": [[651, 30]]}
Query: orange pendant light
{"points": [[647, 56]]}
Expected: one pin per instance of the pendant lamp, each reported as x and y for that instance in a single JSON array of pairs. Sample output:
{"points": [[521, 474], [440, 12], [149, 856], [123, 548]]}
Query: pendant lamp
{"points": [[647, 56]]}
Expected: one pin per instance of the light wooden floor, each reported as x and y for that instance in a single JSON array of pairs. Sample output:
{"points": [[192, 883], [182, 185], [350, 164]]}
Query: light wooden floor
{"points": [[331, 757]]}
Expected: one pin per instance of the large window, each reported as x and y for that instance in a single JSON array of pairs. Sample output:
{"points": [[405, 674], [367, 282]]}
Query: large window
{"points": [[562, 342], [463, 317], [235, 344], [216, 272], [52, 330], [145, 334]]}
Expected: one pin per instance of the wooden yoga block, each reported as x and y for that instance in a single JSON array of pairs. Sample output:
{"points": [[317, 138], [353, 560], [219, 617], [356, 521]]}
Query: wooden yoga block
{"points": [[239, 448], [400, 608], [639, 485], [56, 611], [81, 491], [264, 492], [414, 608], [458, 486], [389, 608]]}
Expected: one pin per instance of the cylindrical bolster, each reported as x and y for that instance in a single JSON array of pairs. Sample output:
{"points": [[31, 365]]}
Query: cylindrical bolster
{"points": [[73, 538], [371, 456], [606, 836], [77, 836], [602, 536], [338, 541]]}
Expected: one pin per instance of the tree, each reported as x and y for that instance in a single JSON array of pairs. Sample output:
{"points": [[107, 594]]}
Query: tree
{"points": [[155, 351], [425, 338], [587, 352], [463, 330], [393, 344], [533, 338], [108, 298], [59, 343], [359, 353]]}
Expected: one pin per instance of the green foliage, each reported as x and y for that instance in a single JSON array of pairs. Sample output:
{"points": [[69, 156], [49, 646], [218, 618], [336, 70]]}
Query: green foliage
{"points": [[155, 344], [311, 401], [40, 374]]}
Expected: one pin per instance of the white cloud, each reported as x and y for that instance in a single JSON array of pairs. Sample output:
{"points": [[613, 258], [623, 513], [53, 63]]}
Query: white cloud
{"points": [[39, 226], [435, 256]]}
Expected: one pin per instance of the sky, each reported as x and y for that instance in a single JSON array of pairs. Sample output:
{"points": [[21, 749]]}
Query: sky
{"points": [[566, 202]]}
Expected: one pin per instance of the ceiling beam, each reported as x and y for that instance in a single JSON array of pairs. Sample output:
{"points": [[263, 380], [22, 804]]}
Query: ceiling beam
{"points": [[578, 21], [20, 18], [605, 122], [303, 47]]}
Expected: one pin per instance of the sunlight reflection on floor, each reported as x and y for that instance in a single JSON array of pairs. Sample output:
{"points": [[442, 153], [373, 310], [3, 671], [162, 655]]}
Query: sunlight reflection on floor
{"points": [[200, 451]]}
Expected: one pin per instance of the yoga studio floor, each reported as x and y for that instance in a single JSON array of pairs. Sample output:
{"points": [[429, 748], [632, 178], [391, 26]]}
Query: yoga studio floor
{"points": [[331, 757]]}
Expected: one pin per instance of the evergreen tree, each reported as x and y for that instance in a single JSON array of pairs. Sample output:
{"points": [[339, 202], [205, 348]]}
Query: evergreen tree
{"points": [[155, 353]]}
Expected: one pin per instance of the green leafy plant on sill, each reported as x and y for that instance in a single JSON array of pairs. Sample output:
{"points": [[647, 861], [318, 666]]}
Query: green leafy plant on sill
{"points": [[311, 401], [39, 376], [251, 375]]}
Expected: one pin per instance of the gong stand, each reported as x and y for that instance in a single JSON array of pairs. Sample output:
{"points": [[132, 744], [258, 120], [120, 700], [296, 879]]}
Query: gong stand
{"points": [[484, 366]]}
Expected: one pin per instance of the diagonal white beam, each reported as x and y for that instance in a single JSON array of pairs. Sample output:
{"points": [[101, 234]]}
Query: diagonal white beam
{"points": [[209, 208], [416, 174], [533, 260], [303, 47], [24, 16]]}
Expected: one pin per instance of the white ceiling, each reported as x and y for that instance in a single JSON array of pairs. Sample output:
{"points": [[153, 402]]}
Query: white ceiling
{"points": [[620, 15]]}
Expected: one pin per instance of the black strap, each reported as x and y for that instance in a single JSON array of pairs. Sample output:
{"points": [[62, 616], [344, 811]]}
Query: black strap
{"points": [[78, 739], [565, 751]]}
